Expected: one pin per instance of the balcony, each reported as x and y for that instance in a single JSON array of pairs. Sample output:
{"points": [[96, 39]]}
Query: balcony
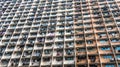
{"points": [[69, 52], [19, 48], [25, 63], [35, 62], [58, 52], [57, 61], [69, 45], [59, 33], [69, 27], [49, 39], [69, 32], [28, 47], [80, 43], [7, 56], [92, 50], [47, 52], [10, 49], [69, 38], [79, 31], [34, 30], [111, 28], [4, 64], [101, 36], [59, 39], [16, 55], [107, 59], [89, 36], [58, 46], [81, 59], [36, 54], [69, 61], [103, 42], [93, 59], [15, 37], [25, 31], [115, 41], [38, 46], [27, 54], [51, 34], [60, 28], [46, 61], [100, 29], [105, 50], [41, 39], [48, 47], [109, 65], [113, 34], [7, 37], [13, 64]]}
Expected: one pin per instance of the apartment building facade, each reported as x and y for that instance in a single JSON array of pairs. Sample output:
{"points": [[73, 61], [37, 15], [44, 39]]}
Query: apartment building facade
{"points": [[60, 33]]}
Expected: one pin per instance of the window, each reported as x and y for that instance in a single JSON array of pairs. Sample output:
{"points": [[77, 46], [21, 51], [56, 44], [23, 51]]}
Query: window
{"points": [[89, 42], [115, 40], [117, 56], [69, 58], [117, 48], [81, 49], [103, 41], [105, 48], [107, 57], [109, 65]]}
